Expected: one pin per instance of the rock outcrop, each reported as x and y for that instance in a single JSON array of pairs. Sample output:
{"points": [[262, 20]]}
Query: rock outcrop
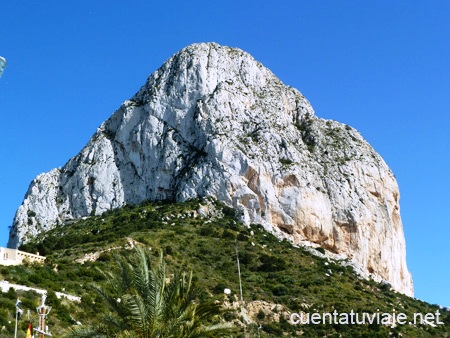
{"points": [[212, 121]]}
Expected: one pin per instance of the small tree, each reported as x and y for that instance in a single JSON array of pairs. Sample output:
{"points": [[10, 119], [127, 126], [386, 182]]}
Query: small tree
{"points": [[142, 303]]}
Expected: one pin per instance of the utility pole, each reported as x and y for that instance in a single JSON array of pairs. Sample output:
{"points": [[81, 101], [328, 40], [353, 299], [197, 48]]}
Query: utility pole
{"points": [[240, 289], [19, 311], [239, 273]]}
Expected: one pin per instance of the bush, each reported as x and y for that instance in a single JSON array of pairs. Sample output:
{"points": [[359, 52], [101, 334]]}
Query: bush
{"points": [[280, 290], [35, 279], [7, 303], [271, 263], [321, 250], [168, 250], [63, 315], [219, 288], [273, 328], [3, 317], [261, 314], [228, 234], [207, 231], [242, 237], [52, 300], [11, 294]]}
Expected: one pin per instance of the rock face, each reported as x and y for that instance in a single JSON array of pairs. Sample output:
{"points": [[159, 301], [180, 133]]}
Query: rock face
{"points": [[212, 121]]}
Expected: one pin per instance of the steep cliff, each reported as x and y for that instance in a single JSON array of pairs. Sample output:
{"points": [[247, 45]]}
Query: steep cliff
{"points": [[212, 121]]}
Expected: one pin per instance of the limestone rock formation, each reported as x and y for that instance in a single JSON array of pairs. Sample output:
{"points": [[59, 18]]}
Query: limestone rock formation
{"points": [[212, 121]]}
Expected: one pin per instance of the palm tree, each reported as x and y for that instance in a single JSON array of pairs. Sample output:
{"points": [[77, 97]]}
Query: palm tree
{"points": [[144, 304]]}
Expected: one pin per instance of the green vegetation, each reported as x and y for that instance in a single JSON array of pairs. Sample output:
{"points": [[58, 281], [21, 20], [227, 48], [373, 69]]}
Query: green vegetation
{"points": [[286, 161], [272, 270], [306, 128], [142, 304]]}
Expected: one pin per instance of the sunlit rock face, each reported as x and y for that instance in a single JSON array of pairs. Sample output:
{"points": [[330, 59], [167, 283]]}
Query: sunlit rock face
{"points": [[212, 121]]}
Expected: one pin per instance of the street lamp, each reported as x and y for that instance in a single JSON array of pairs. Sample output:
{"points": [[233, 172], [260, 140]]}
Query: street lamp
{"points": [[43, 311], [19, 311]]}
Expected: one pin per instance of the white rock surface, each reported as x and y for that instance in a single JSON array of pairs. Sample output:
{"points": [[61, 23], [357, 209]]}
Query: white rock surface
{"points": [[212, 121]]}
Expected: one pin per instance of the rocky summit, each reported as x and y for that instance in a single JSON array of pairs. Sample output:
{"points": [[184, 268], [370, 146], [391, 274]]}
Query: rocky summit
{"points": [[212, 121]]}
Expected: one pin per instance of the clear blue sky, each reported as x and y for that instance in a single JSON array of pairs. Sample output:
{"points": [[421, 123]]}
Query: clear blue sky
{"points": [[379, 66]]}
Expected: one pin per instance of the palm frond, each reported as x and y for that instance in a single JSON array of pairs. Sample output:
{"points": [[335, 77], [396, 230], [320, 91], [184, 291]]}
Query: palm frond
{"points": [[142, 303]]}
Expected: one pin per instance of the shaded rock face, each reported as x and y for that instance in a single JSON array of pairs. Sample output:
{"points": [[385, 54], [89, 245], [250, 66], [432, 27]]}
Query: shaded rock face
{"points": [[212, 121]]}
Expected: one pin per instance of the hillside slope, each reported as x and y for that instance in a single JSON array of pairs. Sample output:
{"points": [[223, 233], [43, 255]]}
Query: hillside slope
{"points": [[277, 278]]}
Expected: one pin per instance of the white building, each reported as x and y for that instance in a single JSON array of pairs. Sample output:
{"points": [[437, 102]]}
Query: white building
{"points": [[16, 257]]}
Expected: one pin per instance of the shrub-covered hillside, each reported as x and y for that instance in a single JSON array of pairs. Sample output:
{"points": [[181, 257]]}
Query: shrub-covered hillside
{"points": [[277, 278]]}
